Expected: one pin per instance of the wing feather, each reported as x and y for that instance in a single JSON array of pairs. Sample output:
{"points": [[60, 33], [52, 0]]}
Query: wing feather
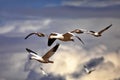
{"points": [[100, 32], [50, 52]]}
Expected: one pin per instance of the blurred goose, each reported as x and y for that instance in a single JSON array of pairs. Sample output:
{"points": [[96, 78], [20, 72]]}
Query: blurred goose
{"points": [[88, 71], [45, 58], [63, 37], [43, 71], [98, 34], [35, 33], [79, 31]]}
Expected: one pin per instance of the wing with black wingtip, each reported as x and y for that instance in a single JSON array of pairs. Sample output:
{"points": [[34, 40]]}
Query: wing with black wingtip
{"points": [[28, 50], [50, 41], [50, 52], [36, 33], [100, 32], [79, 39], [30, 35]]}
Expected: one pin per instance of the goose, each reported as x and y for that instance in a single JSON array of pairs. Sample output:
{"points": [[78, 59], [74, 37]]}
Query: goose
{"points": [[88, 71], [43, 71], [35, 33], [45, 58], [98, 34], [63, 37], [79, 31]]}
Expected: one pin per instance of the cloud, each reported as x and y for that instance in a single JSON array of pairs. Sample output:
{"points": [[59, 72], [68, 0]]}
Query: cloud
{"points": [[94, 62], [24, 26], [6, 29], [11, 67], [63, 12], [70, 57], [110, 67], [91, 3], [68, 60]]}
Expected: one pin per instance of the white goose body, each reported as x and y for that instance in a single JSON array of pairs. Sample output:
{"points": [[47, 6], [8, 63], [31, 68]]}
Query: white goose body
{"points": [[36, 57], [56, 35]]}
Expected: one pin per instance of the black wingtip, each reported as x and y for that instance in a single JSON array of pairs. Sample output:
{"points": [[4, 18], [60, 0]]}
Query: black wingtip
{"points": [[29, 35], [111, 24], [80, 40], [25, 37], [50, 41], [28, 50]]}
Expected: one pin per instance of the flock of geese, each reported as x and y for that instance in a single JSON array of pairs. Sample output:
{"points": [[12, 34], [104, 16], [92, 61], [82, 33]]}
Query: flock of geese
{"points": [[68, 36]]}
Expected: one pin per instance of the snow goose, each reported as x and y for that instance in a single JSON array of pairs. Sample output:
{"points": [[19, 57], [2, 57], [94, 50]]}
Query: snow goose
{"points": [[35, 33], [98, 34], [45, 58], [43, 71], [88, 71], [63, 37]]}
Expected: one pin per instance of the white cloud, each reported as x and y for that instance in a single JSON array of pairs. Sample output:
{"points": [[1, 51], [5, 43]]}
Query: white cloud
{"points": [[46, 22], [13, 66], [68, 61], [34, 25], [25, 26], [6, 29]]}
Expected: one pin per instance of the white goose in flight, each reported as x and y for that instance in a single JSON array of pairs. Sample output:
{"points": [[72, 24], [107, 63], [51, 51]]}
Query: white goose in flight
{"points": [[43, 71], [63, 37], [98, 34], [80, 31], [88, 71], [45, 58]]}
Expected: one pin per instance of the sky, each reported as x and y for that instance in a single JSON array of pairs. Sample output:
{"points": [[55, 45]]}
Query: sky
{"points": [[18, 18]]}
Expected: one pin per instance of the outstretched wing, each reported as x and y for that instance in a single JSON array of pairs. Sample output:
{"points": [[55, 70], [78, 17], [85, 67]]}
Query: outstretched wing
{"points": [[50, 52], [79, 39], [29, 35], [92, 31], [51, 40], [38, 34], [100, 32]]}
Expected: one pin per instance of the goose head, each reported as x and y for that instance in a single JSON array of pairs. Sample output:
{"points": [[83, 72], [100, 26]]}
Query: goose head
{"points": [[40, 34]]}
